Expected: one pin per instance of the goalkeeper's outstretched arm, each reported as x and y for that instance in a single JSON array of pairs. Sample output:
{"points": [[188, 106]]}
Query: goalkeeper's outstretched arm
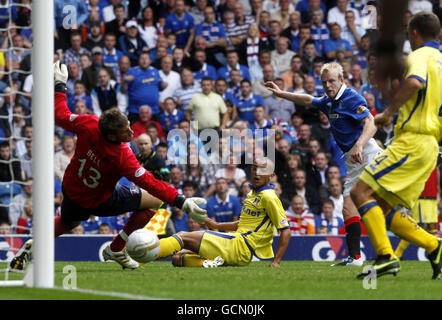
{"points": [[298, 98]]}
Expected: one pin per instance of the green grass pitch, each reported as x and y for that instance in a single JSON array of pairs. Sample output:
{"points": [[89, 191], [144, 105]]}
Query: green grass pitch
{"points": [[293, 280]]}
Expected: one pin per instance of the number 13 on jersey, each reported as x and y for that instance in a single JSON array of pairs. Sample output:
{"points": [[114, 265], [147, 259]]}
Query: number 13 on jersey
{"points": [[93, 175]]}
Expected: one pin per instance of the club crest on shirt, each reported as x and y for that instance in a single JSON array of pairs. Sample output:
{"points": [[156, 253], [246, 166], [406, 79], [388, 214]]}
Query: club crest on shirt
{"points": [[140, 171], [72, 117], [133, 190], [257, 200], [360, 109]]}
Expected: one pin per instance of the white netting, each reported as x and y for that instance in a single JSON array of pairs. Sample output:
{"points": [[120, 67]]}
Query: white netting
{"points": [[15, 126]]}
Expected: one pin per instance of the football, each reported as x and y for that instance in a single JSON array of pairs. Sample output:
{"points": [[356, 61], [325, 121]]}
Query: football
{"points": [[143, 245]]}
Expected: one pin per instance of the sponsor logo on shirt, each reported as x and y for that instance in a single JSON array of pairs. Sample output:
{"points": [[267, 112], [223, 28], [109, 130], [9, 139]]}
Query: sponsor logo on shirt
{"points": [[333, 116], [148, 80], [140, 171]]}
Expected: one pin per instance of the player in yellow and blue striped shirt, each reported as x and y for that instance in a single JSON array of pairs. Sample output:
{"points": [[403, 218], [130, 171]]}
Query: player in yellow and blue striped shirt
{"points": [[252, 235], [397, 176]]}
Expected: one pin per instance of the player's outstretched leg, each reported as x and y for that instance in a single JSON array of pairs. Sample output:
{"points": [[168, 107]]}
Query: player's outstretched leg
{"points": [[352, 235]]}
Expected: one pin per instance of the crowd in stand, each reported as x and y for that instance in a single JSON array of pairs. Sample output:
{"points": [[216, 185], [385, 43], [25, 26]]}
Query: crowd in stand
{"points": [[165, 63]]}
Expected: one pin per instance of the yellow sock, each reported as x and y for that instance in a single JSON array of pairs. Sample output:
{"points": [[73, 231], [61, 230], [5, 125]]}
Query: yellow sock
{"points": [[401, 248], [374, 222], [406, 228], [170, 246], [192, 260]]}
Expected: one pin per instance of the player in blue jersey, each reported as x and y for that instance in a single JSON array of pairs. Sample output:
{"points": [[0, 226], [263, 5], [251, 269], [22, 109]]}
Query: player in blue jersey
{"points": [[353, 128]]}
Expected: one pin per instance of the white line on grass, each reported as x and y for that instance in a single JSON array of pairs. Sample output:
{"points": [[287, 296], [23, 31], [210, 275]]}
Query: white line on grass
{"points": [[111, 294]]}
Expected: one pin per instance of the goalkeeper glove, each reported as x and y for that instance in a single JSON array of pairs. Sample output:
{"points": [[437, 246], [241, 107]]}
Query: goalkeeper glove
{"points": [[60, 73], [190, 206]]}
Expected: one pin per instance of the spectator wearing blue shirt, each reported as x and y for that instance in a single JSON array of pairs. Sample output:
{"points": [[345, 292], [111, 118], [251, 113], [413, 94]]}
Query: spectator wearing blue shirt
{"points": [[143, 87], [181, 23], [305, 7], [328, 219], [319, 29], [171, 116], [221, 87], [131, 44], [335, 42], [223, 207], [352, 32], [371, 87], [207, 71], [111, 55], [189, 87], [214, 33], [65, 11], [247, 102], [233, 63], [363, 52]]}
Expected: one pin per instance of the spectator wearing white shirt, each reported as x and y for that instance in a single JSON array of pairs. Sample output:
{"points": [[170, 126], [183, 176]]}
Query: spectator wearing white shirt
{"points": [[337, 13], [63, 157], [416, 6], [351, 32], [172, 78], [234, 176], [335, 189], [282, 55]]}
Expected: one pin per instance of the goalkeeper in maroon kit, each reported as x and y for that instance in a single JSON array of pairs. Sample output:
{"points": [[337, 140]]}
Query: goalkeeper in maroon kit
{"points": [[90, 186]]}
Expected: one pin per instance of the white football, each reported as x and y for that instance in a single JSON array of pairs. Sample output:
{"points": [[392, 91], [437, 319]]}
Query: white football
{"points": [[143, 245]]}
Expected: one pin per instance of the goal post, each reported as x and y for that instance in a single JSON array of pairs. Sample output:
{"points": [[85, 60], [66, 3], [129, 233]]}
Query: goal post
{"points": [[43, 143]]}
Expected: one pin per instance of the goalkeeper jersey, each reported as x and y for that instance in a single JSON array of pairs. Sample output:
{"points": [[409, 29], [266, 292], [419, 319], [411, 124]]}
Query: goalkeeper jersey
{"points": [[98, 164]]}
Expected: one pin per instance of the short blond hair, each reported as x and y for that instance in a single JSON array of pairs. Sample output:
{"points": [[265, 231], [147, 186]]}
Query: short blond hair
{"points": [[333, 66]]}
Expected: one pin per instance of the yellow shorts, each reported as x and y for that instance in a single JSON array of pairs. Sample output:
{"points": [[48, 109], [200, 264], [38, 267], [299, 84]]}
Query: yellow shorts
{"points": [[425, 211], [230, 246], [398, 174]]}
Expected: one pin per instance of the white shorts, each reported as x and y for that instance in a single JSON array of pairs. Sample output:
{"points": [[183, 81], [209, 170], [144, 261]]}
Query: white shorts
{"points": [[354, 170]]}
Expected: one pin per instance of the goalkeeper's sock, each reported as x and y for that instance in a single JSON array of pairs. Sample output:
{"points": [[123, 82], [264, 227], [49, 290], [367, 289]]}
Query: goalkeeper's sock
{"points": [[137, 220], [191, 260], [61, 227], [353, 236], [402, 225], [374, 222], [169, 246], [401, 247]]}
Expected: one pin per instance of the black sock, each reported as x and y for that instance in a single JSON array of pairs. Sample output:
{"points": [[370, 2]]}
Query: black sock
{"points": [[353, 236]]}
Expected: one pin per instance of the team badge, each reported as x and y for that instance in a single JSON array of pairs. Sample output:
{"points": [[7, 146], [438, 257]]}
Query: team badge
{"points": [[283, 222], [133, 190], [139, 172], [72, 117], [360, 109], [256, 201]]}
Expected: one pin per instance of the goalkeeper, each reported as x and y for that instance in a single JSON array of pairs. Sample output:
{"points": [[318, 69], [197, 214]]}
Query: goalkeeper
{"points": [[252, 235], [90, 187]]}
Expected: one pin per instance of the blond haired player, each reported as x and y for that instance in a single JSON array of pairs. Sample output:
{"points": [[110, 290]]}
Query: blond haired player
{"points": [[397, 176], [251, 235]]}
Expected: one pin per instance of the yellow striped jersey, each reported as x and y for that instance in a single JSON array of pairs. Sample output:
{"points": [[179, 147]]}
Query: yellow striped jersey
{"points": [[261, 213], [421, 113]]}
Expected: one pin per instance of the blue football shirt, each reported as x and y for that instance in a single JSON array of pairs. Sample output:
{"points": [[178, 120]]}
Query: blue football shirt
{"points": [[345, 113]]}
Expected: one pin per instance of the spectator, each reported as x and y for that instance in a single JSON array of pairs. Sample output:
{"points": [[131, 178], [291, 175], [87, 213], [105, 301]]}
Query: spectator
{"points": [[416, 6], [10, 168], [235, 83], [259, 87], [106, 94], [234, 176], [309, 54], [197, 12], [74, 76], [277, 108], [257, 70], [152, 131], [73, 53], [335, 189], [237, 30], [201, 175], [335, 43], [117, 26], [19, 120], [295, 66], [298, 83], [282, 56], [352, 32], [223, 207], [275, 34], [105, 228], [233, 64], [316, 173], [189, 87], [26, 160], [306, 7], [302, 221], [145, 118], [62, 29], [371, 87], [263, 18], [143, 84], [108, 11], [176, 178], [207, 70], [26, 134], [215, 35], [337, 13], [111, 55], [171, 116], [5, 227], [371, 103], [356, 78], [85, 61], [24, 223], [273, 6], [181, 61], [247, 102], [80, 94], [307, 192], [244, 190], [260, 123], [302, 146], [15, 55], [147, 28], [314, 149], [206, 108], [283, 13], [19, 201], [181, 23], [131, 43], [78, 230], [123, 68], [150, 160], [95, 38], [322, 131], [362, 54], [63, 157], [333, 172], [90, 75], [292, 31], [250, 47], [221, 89], [328, 220]]}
